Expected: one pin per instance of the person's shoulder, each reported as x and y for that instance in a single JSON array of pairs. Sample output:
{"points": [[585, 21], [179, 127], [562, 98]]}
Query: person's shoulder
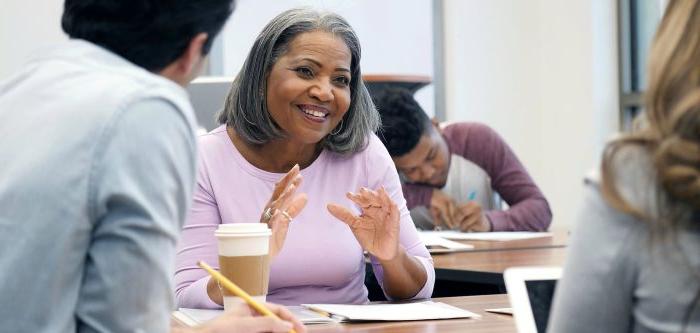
{"points": [[375, 147], [213, 141], [372, 153], [633, 174], [472, 130], [466, 126]]}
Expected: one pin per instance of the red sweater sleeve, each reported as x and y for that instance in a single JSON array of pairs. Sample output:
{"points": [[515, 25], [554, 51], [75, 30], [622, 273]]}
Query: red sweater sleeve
{"points": [[417, 195], [480, 144]]}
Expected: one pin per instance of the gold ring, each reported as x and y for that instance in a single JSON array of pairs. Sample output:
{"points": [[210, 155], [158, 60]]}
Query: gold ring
{"points": [[284, 212]]}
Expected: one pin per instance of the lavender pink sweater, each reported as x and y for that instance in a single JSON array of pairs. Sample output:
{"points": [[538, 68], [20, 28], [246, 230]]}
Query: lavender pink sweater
{"points": [[321, 261], [480, 144]]}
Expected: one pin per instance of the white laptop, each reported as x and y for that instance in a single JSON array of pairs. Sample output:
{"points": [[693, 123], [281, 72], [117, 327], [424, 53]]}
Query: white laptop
{"points": [[531, 293]]}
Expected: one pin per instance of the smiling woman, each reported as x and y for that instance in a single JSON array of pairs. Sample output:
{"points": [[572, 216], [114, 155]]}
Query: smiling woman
{"points": [[308, 88], [299, 103]]}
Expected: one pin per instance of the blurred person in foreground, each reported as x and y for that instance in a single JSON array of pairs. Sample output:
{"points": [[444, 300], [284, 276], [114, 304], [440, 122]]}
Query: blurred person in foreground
{"points": [[98, 166], [633, 263]]}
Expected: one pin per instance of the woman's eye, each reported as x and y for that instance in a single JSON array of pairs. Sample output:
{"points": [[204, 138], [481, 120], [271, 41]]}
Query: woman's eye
{"points": [[304, 72], [342, 80]]}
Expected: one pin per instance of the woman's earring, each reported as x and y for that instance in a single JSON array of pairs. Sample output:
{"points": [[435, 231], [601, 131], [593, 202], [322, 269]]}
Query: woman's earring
{"points": [[338, 128]]}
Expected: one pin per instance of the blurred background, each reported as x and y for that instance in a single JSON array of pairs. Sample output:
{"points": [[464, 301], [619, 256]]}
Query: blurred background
{"points": [[555, 78]]}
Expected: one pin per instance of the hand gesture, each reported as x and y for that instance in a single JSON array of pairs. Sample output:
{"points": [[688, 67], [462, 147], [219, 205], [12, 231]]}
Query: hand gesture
{"points": [[242, 319], [470, 218], [284, 205], [377, 227], [443, 210]]}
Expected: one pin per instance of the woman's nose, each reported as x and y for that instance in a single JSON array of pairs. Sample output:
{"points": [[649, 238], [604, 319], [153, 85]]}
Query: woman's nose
{"points": [[322, 90]]}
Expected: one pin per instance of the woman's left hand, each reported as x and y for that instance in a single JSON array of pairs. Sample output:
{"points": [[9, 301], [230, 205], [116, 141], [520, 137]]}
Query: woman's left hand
{"points": [[377, 227]]}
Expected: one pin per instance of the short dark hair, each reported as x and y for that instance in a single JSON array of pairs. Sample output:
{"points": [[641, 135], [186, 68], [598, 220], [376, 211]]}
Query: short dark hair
{"points": [[403, 120], [148, 33]]}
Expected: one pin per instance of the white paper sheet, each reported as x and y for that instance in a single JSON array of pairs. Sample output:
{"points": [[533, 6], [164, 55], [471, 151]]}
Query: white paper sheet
{"points": [[436, 244], [426, 310]]}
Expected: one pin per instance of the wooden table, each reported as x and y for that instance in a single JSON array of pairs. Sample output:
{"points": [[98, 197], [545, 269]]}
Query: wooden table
{"points": [[488, 323], [558, 239], [488, 266], [479, 271]]}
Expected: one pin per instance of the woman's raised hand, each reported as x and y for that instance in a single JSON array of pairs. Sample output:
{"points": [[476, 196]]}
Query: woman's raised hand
{"points": [[377, 227], [284, 205]]}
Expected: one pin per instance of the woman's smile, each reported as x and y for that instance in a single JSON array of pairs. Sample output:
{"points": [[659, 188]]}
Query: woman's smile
{"points": [[314, 113]]}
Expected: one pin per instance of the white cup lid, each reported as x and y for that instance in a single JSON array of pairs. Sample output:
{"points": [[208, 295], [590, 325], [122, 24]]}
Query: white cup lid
{"points": [[242, 229]]}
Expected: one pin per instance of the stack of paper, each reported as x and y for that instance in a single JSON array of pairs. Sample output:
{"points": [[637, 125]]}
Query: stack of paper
{"points": [[426, 310], [498, 236], [194, 317]]}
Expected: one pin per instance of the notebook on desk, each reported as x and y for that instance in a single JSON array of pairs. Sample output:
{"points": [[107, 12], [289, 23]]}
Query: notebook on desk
{"points": [[531, 292]]}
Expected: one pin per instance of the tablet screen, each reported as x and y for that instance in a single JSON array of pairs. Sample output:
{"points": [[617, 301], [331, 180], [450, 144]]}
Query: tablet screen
{"points": [[541, 294]]}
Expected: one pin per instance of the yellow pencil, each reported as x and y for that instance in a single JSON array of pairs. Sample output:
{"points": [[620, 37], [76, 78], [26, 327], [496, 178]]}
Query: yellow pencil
{"points": [[232, 287]]}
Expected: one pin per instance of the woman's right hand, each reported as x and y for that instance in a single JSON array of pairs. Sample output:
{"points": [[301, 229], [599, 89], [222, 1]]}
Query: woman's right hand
{"points": [[284, 205]]}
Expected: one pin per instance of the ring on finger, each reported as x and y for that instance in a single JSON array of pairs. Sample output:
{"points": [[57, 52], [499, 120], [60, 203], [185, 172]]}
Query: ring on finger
{"points": [[286, 215], [267, 215]]}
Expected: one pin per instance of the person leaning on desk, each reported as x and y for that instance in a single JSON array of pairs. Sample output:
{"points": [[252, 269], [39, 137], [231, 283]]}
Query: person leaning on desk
{"points": [[439, 164], [299, 103], [633, 263]]}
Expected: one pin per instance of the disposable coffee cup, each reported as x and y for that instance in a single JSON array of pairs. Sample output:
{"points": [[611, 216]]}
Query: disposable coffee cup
{"points": [[244, 259]]}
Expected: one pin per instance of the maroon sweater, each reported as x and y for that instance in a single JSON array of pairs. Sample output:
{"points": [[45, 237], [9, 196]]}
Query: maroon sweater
{"points": [[480, 144]]}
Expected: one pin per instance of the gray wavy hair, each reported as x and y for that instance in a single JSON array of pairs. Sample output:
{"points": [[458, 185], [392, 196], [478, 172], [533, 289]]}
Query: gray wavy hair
{"points": [[246, 107]]}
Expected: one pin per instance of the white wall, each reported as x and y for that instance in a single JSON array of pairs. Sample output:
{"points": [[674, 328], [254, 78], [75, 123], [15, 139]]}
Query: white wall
{"points": [[396, 35], [382, 26], [25, 27], [543, 73]]}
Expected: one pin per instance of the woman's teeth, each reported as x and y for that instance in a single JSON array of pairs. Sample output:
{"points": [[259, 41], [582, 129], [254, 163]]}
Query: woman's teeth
{"points": [[314, 113]]}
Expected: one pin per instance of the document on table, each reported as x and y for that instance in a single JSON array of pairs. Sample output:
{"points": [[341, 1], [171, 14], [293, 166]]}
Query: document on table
{"points": [[426, 310], [497, 236], [507, 311], [194, 317], [436, 244]]}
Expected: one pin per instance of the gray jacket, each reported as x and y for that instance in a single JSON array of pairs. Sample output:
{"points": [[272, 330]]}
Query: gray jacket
{"points": [[616, 278], [97, 164]]}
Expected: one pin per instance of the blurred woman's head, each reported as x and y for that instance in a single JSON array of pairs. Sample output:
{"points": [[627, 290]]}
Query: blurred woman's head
{"points": [[302, 81], [672, 128]]}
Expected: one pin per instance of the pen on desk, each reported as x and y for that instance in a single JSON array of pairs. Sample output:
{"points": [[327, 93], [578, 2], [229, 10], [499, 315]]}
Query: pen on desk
{"points": [[472, 195], [232, 287]]}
